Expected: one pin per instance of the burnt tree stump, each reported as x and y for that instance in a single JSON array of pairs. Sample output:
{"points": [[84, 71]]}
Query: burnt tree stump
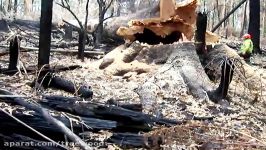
{"points": [[200, 33], [14, 53]]}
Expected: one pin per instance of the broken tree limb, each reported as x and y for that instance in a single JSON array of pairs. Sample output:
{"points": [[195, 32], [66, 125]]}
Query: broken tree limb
{"points": [[60, 126], [228, 15]]}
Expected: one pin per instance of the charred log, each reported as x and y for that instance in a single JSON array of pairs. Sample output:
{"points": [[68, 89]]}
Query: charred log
{"points": [[89, 109], [134, 107], [48, 80]]}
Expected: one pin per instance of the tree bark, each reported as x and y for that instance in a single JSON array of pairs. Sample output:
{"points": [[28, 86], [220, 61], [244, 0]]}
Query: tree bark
{"points": [[254, 24], [45, 32]]}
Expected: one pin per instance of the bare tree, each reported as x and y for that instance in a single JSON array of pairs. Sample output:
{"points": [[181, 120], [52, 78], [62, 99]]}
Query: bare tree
{"points": [[83, 28], [103, 7], [45, 32]]}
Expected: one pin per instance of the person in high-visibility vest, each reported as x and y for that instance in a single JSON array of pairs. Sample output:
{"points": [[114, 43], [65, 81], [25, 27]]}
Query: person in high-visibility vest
{"points": [[246, 47]]}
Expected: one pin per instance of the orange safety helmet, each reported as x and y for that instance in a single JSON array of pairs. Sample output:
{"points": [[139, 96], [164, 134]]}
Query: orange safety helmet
{"points": [[247, 36]]}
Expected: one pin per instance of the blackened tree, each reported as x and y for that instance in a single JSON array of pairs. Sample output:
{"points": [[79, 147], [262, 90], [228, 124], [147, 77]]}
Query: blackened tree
{"points": [[45, 32], [254, 24]]}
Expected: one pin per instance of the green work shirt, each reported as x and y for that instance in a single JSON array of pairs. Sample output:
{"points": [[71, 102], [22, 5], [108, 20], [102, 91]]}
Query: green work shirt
{"points": [[247, 46]]}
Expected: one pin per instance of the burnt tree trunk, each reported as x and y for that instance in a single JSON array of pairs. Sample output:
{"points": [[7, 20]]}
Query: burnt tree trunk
{"points": [[81, 46], [13, 53], [200, 33], [254, 24], [45, 32]]}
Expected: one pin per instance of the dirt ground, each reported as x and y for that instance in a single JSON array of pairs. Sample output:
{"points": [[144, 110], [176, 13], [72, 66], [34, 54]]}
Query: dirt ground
{"points": [[240, 125]]}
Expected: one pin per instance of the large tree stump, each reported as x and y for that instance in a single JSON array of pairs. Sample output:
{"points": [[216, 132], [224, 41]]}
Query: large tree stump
{"points": [[181, 74]]}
